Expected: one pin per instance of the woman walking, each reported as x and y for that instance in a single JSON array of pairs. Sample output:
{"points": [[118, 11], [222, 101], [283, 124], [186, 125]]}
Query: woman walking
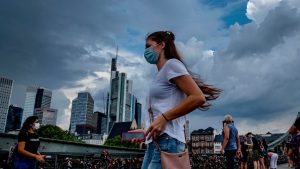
{"points": [[28, 144], [174, 92]]}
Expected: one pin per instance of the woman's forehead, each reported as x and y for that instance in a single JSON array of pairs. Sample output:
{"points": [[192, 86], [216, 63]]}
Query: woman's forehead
{"points": [[150, 42]]}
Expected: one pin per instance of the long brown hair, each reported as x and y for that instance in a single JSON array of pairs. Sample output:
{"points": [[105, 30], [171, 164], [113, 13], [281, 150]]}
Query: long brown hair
{"points": [[28, 123], [210, 92]]}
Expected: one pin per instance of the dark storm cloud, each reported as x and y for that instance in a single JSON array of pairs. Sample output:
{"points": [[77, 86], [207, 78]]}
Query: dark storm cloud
{"points": [[56, 44], [38, 42], [261, 81], [40, 37], [281, 22]]}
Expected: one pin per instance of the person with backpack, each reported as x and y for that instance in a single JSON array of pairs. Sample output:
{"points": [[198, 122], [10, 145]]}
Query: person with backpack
{"points": [[27, 153]]}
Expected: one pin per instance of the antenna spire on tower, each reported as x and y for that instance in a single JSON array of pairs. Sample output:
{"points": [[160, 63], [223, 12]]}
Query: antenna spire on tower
{"points": [[114, 61]]}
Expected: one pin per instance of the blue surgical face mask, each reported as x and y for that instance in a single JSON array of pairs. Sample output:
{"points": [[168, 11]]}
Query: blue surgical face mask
{"points": [[151, 56]]}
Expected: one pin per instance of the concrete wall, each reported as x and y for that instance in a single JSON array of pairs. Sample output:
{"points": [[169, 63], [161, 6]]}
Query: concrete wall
{"points": [[66, 147]]}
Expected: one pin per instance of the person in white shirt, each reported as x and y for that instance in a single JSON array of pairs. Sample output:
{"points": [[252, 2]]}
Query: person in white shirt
{"points": [[273, 160], [174, 92]]}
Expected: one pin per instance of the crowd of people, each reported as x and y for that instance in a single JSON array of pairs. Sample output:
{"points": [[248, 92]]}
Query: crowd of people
{"points": [[256, 150], [253, 151], [292, 147], [248, 150]]}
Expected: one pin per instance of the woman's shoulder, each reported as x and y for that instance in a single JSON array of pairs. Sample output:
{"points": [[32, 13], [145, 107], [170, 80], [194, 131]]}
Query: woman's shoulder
{"points": [[175, 64], [174, 61], [23, 132], [23, 135]]}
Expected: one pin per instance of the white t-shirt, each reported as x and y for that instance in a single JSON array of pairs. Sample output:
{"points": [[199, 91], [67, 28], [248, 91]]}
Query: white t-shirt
{"points": [[165, 95]]}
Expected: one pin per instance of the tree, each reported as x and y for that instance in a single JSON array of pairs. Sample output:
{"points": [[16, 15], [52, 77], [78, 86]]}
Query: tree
{"points": [[117, 141], [55, 132]]}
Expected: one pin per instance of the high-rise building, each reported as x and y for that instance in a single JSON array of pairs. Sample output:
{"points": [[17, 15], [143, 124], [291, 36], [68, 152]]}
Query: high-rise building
{"points": [[103, 124], [82, 111], [43, 98], [100, 122], [14, 118], [138, 114], [95, 119], [46, 115], [35, 98], [187, 130], [120, 102], [84, 129], [5, 94]]}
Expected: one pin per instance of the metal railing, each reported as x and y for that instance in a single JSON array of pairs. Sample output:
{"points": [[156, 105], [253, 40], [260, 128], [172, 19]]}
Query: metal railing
{"points": [[107, 160]]}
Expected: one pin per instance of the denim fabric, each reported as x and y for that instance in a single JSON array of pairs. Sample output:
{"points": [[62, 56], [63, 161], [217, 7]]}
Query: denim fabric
{"points": [[152, 154], [231, 145], [24, 163], [230, 154]]}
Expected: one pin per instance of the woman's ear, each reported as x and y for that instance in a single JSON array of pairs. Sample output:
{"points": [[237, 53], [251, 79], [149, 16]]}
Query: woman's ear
{"points": [[163, 44]]}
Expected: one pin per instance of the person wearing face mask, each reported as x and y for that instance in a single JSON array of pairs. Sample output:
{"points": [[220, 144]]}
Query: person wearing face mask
{"points": [[174, 92], [28, 144]]}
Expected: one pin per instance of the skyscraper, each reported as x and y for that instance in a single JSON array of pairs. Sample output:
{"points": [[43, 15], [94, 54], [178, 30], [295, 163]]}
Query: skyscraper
{"points": [[100, 122], [46, 115], [120, 103], [187, 130], [14, 118], [5, 94], [82, 111], [138, 114], [35, 98], [43, 98]]}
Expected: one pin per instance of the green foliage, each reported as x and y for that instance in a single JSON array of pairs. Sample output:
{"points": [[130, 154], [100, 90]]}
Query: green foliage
{"points": [[55, 132], [117, 141]]}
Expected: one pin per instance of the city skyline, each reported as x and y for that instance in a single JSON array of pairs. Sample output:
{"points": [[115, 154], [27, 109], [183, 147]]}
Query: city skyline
{"points": [[247, 48]]}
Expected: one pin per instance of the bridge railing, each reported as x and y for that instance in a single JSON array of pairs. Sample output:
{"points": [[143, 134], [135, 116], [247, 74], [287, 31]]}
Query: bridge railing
{"points": [[58, 153], [107, 160], [99, 161]]}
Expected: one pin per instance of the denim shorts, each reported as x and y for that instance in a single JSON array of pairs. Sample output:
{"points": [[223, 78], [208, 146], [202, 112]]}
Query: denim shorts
{"points": [[152, 154], [24, 163]]}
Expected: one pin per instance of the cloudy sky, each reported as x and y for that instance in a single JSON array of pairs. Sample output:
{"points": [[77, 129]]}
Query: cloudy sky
{"points": [[248, 48]]}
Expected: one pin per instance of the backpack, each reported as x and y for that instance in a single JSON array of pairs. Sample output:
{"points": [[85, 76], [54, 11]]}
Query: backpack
{"points": [[12, 154]]}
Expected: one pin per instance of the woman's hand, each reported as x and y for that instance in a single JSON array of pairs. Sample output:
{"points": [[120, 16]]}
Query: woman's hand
{"points": [[238, 153], [137, 140], [155, 129], [40, 158]]}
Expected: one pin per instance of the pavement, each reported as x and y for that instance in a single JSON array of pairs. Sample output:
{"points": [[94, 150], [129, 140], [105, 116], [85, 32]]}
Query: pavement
{"points": [[283, 166]]}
